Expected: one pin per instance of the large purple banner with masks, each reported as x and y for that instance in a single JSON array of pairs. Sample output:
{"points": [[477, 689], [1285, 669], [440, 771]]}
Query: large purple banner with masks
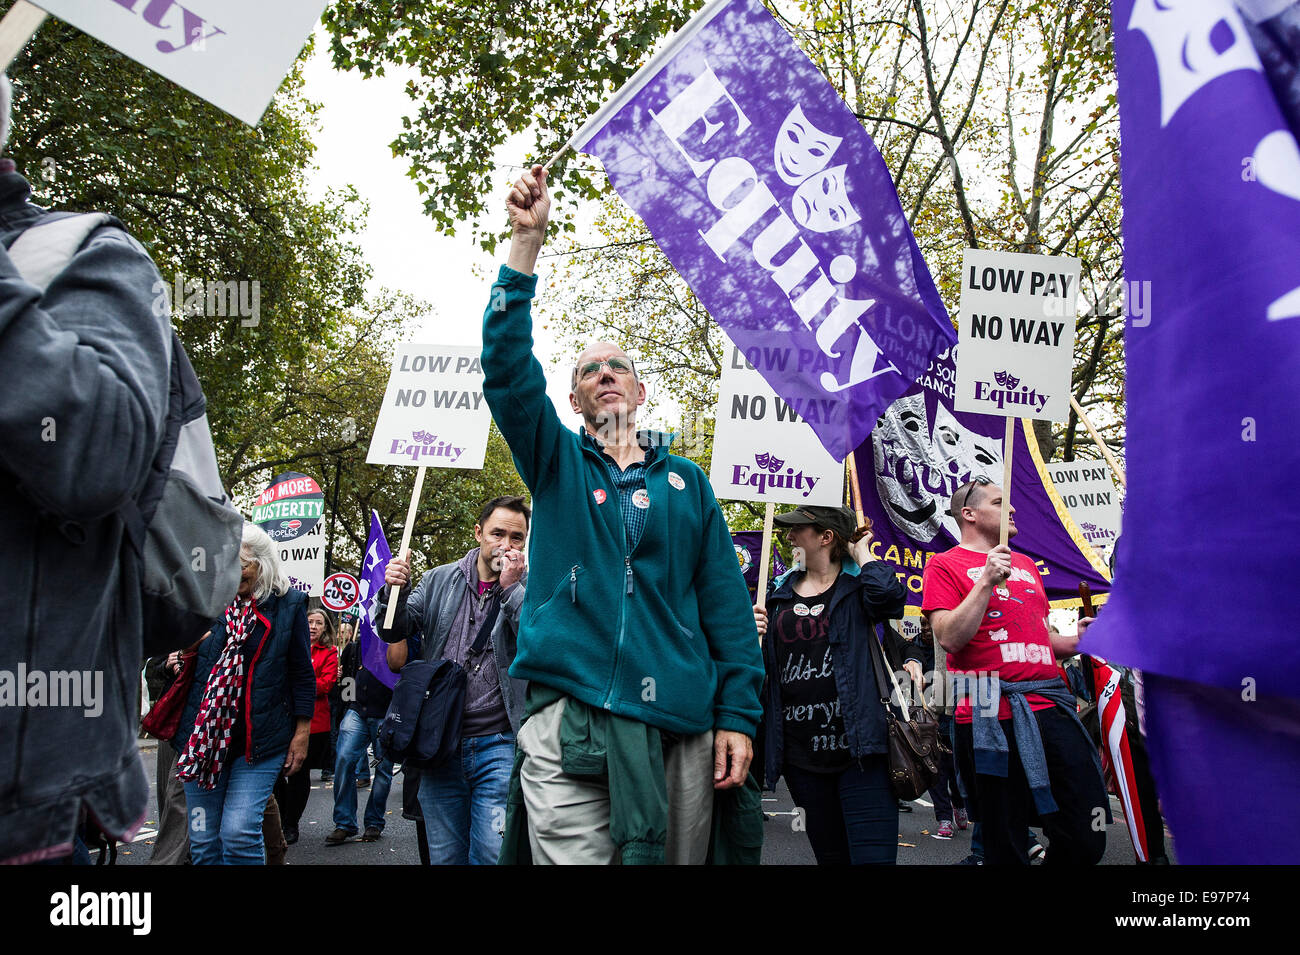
{"points": [[771, 201], [922, 450], [1209, 112]]}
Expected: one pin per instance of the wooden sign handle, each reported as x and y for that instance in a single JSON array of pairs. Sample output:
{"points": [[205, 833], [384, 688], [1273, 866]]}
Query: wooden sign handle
{"points": [[1008, 446], [405, 550], [18, 26], [1101, 445], [766, 559], [856, 489]]}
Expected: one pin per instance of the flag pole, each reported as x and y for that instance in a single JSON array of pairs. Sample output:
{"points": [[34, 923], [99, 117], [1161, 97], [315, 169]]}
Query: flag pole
{"points": [[1105, 451], [1008, 447], [405, 549], [18, 26]]}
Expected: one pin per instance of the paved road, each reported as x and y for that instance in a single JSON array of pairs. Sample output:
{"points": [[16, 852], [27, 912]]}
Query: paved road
{"points": [[783, 845]]}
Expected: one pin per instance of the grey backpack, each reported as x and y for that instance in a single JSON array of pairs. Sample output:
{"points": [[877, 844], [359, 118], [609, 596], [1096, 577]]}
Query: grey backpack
{"points": [[183, 528]]}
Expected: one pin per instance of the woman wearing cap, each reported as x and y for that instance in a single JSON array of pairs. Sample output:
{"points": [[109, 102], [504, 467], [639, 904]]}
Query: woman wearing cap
{"points": [[817, 654]]}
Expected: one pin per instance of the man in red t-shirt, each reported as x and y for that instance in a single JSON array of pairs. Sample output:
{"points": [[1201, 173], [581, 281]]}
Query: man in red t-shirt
{"points": [[988, 610]]}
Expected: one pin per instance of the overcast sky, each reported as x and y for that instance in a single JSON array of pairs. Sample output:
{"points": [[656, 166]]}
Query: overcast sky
{"points": [[358, 120]]}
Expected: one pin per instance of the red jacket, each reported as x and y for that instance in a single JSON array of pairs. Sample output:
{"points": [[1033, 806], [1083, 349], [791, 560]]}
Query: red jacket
{"points": [[325, 661]]}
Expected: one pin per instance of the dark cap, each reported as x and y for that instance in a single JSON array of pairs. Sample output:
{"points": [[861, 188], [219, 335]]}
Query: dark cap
{"points": [[838, 519]]}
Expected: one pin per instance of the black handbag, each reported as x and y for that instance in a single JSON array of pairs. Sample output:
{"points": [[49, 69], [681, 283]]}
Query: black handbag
{"points": [[422, 725], [913, 740]]}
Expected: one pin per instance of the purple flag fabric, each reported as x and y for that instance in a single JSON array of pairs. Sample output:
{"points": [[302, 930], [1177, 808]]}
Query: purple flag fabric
{"points": [[374, 652], [1211, 174], [769, 198], [749, 548], [922, 450]]}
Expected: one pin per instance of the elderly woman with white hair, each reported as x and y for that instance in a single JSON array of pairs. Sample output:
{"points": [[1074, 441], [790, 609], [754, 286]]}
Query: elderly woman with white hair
{"points": [[249, 710]]}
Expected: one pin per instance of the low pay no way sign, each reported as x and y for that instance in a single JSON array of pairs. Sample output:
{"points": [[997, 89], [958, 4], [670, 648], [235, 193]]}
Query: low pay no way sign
{"points": [[1016, 334]]}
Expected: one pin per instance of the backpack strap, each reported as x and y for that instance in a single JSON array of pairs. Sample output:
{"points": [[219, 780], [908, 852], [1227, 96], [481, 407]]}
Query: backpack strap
{"points": [[45, 249]]}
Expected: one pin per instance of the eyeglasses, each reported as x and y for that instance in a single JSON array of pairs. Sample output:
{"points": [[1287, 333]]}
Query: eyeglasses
{"points": [[619, 366], [978, 480]]}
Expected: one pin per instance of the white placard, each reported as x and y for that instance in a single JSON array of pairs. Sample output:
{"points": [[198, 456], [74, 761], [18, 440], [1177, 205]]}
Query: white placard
{"points": [[1089, 492], [762, 450], [232, 53], [1016, 334], [434, 412], [303, 560]]}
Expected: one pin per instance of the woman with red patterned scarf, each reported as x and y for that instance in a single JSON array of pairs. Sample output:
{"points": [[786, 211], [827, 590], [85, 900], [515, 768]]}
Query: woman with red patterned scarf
{"points": [[249, 709]]}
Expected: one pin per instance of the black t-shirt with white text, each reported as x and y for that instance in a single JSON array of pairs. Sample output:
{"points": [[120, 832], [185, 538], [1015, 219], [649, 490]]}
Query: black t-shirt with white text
{"points": [[815, 738]]}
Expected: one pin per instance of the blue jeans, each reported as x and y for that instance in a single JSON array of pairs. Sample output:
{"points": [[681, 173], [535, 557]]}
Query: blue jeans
{"points": [[226, 821], [464, 801], [356, 733], [851, 817]]}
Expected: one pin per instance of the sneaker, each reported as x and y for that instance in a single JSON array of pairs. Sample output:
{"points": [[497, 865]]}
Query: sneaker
{"points": [[338, 837], [326, 776], [971, 859], [960, 818], [371, 834], [1037, 852], [904, 806], [363, 783], [290, 835], [945, 830]]}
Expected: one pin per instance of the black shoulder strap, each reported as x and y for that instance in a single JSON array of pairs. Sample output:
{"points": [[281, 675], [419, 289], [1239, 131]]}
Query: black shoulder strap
{"points": [[486, 630]]}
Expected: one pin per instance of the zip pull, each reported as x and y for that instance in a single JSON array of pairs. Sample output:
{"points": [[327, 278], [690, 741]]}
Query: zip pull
{"points": [[627, 562], [573, 584]]}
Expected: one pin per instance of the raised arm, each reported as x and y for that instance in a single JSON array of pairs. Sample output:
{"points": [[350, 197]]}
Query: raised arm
{"points": [[513, 381]]}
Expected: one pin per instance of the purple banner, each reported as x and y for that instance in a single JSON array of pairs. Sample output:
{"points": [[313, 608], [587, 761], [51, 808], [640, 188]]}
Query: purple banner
{"points": [[1210, 521], [770, 200], [1209, 113], [922, 450], [749, 548], [374, 652]]}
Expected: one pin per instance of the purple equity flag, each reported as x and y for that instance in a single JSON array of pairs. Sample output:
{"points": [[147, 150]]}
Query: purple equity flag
{"points": [[769, 198], [374, 652], [1209, 113], [922, 450], [749, 548]]}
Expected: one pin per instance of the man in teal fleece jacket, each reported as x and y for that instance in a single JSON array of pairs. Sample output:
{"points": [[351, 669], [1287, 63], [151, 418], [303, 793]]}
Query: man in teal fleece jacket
{"points": [[637, 605]]}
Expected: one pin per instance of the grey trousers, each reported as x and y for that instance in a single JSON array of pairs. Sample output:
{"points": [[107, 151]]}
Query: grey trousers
{"points": [[172, 845], [568, 816]]}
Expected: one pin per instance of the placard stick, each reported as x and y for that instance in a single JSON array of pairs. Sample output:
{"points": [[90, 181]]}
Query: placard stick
{"points": [[405, 550], [856, 490], [1105, 451], [1008, 446], [19, 25], [766, 559]]}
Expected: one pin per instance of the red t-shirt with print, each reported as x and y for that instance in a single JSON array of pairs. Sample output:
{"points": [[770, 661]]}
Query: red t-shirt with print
{"points": [[1012, 639]]}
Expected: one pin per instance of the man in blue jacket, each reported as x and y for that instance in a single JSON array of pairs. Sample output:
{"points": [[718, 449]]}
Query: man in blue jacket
{"points": [[638, 608]]}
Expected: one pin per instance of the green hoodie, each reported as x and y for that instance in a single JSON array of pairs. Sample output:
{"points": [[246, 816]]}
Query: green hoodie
{"points": [[664, 634]]}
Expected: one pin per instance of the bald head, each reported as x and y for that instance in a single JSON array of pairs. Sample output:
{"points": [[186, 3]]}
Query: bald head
{"points": [[596, 351]]}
